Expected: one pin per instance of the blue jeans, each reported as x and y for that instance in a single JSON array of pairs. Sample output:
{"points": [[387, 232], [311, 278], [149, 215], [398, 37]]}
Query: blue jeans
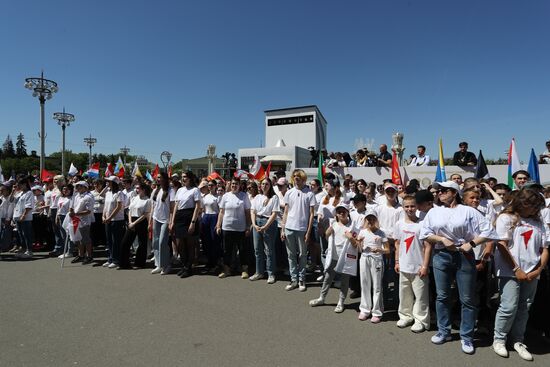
{"points": [[114, 232], [210, 240], [448, 266], [24, 232], [59, 240], [161, 251], [264, 246], [513, 312], [297, 254]]}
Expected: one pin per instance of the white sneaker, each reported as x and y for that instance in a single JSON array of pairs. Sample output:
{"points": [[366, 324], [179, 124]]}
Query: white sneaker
{"points": [[68, 255], [320, 277], [317, 302], [417, 327], [302, 286], [112, 266], [339, 308], [106, 264], [271, 279], [522, 351], [500, 348], [291, 286], [166, 270], [156, 270], [402, 323]]}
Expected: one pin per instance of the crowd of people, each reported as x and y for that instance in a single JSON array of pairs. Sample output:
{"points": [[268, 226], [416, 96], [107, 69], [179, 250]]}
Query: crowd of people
{"points": [[453, 245]]}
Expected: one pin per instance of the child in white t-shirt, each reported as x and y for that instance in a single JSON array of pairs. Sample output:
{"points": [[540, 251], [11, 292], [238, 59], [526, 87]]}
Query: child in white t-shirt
{"points": [[412, 258], [374, 244], [341, 256]]}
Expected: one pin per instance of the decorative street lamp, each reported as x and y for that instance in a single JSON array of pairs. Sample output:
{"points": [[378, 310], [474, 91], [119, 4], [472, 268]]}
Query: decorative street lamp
{"points": [[165, 158], [124, 151], [64, 119], [90, 141], [398, 146], [211, 155], [43, 89]]}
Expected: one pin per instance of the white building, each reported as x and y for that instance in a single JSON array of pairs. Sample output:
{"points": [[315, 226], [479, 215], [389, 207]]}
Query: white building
{"points": [[289, 132]]}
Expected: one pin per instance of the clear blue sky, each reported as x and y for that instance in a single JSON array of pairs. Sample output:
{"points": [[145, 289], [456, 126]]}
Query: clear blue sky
{"points": [[179, 75]]}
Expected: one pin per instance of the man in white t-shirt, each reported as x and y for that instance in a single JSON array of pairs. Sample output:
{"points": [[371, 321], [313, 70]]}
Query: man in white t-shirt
{"points": [[422, 159], [296, 228], [544, 157]]}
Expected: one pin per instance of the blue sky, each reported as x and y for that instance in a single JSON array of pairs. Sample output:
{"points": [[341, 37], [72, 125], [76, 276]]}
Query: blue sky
{"points": [[179, 75]]}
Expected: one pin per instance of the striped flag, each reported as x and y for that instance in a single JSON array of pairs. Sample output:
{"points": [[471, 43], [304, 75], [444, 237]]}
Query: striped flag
{"points": [[440, 175], [93, 172], [513, 164]]}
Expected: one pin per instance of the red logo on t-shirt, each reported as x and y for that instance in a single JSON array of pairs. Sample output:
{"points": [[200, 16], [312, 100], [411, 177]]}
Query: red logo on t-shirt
{"points": [[408, 242], [526, 237]]}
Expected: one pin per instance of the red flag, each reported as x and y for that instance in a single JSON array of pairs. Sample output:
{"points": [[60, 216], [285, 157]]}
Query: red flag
{"points": [[45, 175], [395, 174], [155, 172], [120, 172], [109, 170], [260, 175], [170, 170], [215, 176], [268, 170]]}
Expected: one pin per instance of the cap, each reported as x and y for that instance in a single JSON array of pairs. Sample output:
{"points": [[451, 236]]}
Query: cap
{"points": [[448, 184], [203, 184], [37, 187], [282, 181], [390, 186], [85, 184], [342, 206]]}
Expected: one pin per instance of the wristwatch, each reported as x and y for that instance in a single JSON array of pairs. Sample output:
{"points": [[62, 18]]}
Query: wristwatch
{"points": [[473, 244]]}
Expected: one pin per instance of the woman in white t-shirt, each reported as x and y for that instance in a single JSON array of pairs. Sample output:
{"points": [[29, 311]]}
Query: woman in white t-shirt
{"points": [[522, 253], [209, 238], [138, 214], [63, 205], [97, 229], [183, 223], [163, 205], [326, 212], [22, 216], [234, 225], [265, 208], [7, 204], [113, 217]]}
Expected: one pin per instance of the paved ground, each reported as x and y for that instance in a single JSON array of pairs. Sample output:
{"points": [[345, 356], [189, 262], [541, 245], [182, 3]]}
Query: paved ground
{"points": [[92, 316]]}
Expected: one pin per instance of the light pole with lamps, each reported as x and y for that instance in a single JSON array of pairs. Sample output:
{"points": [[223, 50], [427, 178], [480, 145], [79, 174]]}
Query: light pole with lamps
{"points": [[398, 146], [64, 119], [165, 158], [211, 155], [43, 89], [90, 141]]}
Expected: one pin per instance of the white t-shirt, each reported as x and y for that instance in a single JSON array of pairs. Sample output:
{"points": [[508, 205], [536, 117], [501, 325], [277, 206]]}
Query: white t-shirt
{"points": [[111, 201], [526, 239], [371, 241], [388, 216], [81, 203], [210, 204], [318, 199], [26, 201], [38, 202], [234, 206], [420, 161], [6, 207], [299, 203], [340, 239], [327, 211], [186, 198], [411, 248], [139, 206], [99, 202], [281, 197], [129, 195], [161, 209], [55, 195], [63, 205], [460, 224], [262, 209]]}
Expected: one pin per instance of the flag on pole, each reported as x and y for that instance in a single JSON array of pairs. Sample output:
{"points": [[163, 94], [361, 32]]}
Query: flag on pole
{"points": [[395, 174], [71, 225], [513, 163], [256, 166], [148, 176], [268, 170], [241, 173], [119, 168], [72, 170], [321, 168], [481, 167], [533, 167], [155, 171], [93, 172], [215, 176], [440, 175], [136, 172], [169, 169], [45, 175], [109, 170]]}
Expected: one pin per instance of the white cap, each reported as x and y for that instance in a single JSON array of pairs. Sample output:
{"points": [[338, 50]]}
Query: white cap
{"points": [[37, 187], [82, 183], [448, 184]]}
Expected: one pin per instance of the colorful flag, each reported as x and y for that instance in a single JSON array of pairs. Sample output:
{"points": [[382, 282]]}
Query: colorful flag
{"points": [[72, 170], [93, 172], [268, 170], [109, 170], [155, 171], [46, 175], [481, 167], [71, 225], [256, 166], [148, 176], [321, 168], [241, 173], [136, 172], [533, 167], [118, 167], [215, 176], [440, 175], [514, 164], [395, 174], [170, 169]]}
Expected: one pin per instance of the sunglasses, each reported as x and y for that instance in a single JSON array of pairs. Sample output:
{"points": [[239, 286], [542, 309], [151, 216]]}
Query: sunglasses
{"points": [[443, 190]]}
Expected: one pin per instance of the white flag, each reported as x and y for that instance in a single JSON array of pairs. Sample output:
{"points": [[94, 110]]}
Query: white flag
{"points": [[72, 170], [72, 226]]}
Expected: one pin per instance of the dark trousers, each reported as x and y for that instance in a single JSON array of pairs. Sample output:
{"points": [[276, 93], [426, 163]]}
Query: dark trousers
{"points": [[233, 241], [114, 231], [139, 231], [97, 231], [210, 239], [39, 228]]}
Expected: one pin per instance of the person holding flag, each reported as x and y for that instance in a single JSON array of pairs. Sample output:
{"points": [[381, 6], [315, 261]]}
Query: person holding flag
{"points": [[81, 213]]}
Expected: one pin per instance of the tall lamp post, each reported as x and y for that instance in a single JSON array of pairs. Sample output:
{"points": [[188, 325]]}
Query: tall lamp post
{"points": [[90, 141], [211, 155], [165, 158], [43, 89], [64, 119], [398, 146], [124, 151]]}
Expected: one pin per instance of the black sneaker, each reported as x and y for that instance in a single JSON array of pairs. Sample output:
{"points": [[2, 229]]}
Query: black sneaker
{"points": [[77, 259], [87, 260], [186, 273], [55, 253]]}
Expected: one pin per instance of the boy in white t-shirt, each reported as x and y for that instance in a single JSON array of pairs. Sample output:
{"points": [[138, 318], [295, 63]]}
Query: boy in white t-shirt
{"points": [[412, 258]]}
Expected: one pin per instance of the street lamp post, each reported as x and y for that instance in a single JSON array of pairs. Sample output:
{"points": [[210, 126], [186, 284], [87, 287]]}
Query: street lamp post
{"points": [[398, 146], [43, 89], [64, 119], [124, 151], [165, 158], [90, 141], [211, 155]]}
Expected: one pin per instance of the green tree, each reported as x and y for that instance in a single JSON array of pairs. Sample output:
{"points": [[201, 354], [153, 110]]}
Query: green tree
{"points": [[20, 146], [7, 149]]}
